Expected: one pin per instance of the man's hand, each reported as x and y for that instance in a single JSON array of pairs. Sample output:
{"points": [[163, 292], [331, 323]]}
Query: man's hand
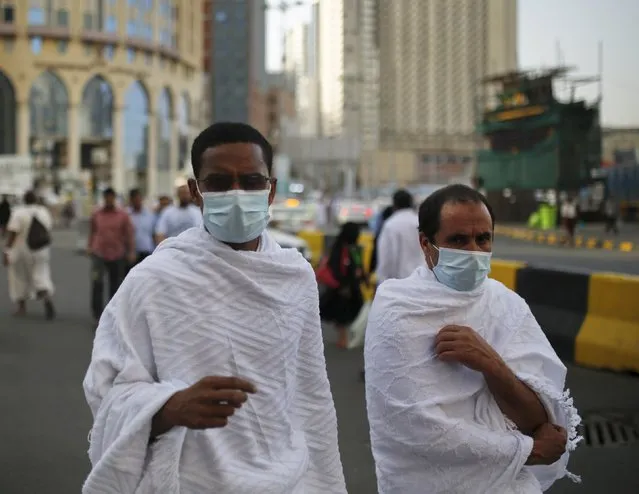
{"points": [[463, 345], [548, 446], [5, 259], [205, 405]]}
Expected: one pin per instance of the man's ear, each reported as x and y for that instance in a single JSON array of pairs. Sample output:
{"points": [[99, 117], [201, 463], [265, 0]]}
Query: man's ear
{"points": [[271, 195], [196, 196], [424, 244]]}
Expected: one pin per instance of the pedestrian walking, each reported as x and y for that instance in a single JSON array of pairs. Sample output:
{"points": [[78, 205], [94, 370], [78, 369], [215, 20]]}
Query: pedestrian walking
{"points": [[111, 247], [611, 213], [399, 253], [5, 214], [208, 370], [342, 301], [144, 222], [464, 392], [27, 255], [570, 217], [178, 218]]}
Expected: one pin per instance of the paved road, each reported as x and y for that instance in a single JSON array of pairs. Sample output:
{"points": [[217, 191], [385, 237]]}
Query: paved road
{"points": [[574, 259], [44, 419]]}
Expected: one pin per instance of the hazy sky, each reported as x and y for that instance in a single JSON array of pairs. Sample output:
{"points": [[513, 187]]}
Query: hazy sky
{"points": [[576, 26]]}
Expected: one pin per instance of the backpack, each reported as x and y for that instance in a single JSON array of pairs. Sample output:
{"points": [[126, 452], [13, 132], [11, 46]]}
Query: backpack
{"points": [[38, 236]]}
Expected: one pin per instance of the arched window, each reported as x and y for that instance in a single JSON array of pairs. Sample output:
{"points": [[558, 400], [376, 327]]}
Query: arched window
{"points": [[7, 116], [97, 109], [184, 124], [164, 117], [136, 127], [48, 105]]}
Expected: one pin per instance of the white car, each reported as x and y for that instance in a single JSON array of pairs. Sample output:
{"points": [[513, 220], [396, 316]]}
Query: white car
{"points": [[287, 241]]}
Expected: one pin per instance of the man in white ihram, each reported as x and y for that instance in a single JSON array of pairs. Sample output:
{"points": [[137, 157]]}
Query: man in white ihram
{"points": [[208, 372], [398, 244], [465, 395]]}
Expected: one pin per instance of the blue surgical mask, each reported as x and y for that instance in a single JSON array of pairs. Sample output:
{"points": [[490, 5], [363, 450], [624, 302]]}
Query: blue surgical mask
{"points": [[462, 270], [236, 216]]}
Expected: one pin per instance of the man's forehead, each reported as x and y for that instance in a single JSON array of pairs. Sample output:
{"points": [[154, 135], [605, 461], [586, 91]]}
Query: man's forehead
{"points": [[465, 215], [245, 151]]}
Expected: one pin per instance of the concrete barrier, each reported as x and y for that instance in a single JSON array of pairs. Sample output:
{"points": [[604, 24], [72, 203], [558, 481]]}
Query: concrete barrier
{"points": [[609, 336], [590, 319]]}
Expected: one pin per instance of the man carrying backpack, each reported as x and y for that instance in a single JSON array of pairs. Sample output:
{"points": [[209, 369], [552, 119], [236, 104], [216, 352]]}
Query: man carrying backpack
{"points": [[27, 255]]}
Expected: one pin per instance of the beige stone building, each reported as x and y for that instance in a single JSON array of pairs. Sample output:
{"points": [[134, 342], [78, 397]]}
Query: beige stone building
{"points": [[432, 57], [615, 139], [111, 88]]}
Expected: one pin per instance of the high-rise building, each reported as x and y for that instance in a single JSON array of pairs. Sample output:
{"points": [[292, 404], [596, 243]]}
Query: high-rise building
{"points": [[301, 50], [236, 60], [348, 69], [433, 56], [107, 88]]}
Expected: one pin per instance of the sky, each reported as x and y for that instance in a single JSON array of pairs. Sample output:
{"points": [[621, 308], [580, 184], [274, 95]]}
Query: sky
{"points": [[572, 28]]}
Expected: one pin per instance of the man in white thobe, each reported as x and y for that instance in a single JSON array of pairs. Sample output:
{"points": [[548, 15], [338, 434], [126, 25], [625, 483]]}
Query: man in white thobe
{"points": [[177, 218], [208, 372], [398, 250], [29, 269], [464, 393]]}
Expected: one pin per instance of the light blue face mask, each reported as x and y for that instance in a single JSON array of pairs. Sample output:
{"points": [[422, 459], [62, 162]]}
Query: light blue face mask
{"points": [[235, 216], [462, 270]]}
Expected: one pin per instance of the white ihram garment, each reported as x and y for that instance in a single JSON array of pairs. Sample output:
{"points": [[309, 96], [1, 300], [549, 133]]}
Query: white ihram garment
{"points": [[29, 271], [398, 249], [435, 426], [197, 308]]}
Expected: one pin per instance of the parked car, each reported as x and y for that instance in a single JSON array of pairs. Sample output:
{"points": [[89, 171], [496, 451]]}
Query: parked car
{"points": [[293, 215], [288, 240], [356, 212]]}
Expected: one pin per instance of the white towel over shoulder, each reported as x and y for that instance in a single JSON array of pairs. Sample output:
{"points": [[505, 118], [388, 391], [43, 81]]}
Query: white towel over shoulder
{"points": [[197, 308], [435, 426]]}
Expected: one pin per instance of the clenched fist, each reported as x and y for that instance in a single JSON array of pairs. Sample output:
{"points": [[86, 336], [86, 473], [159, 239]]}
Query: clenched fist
{"points": [[549, 445]]}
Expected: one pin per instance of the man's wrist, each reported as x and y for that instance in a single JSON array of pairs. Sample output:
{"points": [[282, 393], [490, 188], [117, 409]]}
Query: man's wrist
{"points": [[495, 369], [160, 423]]}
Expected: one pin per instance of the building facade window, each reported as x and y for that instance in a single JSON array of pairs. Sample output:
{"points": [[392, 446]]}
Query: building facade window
{"points": [[111, 25], [7, 116], [164, 116], [7, 13], [97, 109], [36, 45], [108, 52], [63, 45], [184, 130], [63, 18], [136, 127], [48, 105], [36, 16]]}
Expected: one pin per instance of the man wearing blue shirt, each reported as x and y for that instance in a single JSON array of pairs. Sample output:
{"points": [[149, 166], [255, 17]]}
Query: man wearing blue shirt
{"points": [[144, 225], [178, 218]]}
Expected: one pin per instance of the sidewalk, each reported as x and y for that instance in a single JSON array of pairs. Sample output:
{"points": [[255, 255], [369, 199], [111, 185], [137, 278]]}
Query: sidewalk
{"points": [[590, 236]]}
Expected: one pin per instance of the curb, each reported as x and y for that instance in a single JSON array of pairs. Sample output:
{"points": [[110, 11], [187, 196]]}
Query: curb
{"points": [[590, 319], [553, 238]]}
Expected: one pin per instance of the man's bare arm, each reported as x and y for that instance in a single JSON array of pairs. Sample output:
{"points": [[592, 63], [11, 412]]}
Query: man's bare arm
{"points": [[515, 399]]}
